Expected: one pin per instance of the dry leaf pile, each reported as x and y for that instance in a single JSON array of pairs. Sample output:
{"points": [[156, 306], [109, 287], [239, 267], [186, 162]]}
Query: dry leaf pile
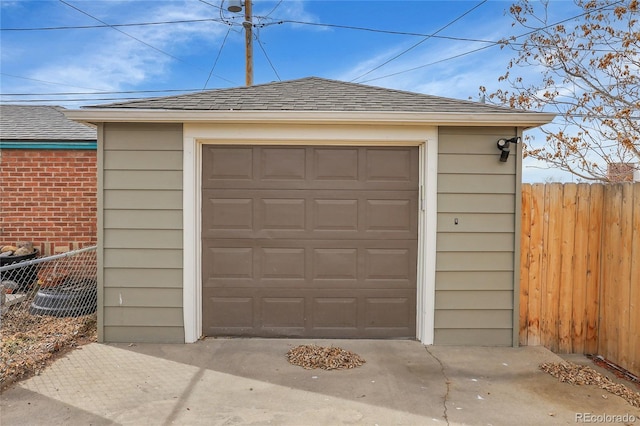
{"points": [[29, 341], [574, 374], [326, 358]]}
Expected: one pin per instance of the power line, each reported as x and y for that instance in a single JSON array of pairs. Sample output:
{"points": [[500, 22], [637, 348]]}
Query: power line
{"points": [[210, 4], [49, 82], [11, 101], [100, 93], [220, 11], [135, 24], [273, 10], [375, 30], [129, 35], [286, 21], [421, 41], [279, 22], [496, 43], [120, 31], [217, 57], [491, 44], [431, 63], [268, 59]]}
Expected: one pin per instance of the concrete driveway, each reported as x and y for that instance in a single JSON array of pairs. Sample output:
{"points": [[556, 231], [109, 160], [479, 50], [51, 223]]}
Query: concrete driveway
{"points": [[250, 382]]}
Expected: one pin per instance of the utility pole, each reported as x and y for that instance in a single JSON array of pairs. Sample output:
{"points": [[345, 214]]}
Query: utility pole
{"points": [[235, 6], [248, 42]]}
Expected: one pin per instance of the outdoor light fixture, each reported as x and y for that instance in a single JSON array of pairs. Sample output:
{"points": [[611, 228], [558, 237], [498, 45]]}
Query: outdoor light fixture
{"points": [[234, 6], [503, 146]]}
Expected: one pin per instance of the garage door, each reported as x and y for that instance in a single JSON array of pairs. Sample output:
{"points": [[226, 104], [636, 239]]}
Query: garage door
{"points": [[309, 241]]}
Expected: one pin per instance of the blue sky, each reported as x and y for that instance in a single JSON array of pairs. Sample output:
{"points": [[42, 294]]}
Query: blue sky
{"points": [[381, 43]]}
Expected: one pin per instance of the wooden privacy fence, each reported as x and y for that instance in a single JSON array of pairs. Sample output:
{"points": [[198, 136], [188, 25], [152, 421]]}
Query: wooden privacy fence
{"points": [[580, 270]]}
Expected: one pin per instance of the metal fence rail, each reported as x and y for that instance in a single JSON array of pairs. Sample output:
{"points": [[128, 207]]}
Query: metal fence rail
{"points": [[62, 285]]}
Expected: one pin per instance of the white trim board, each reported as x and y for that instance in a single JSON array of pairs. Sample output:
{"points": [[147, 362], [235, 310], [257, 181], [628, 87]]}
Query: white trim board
{"points": [[132, 115], [194, 136]]}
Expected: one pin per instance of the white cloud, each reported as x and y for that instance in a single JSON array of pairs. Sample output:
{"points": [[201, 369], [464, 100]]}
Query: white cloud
{"points": [[107, 59]]}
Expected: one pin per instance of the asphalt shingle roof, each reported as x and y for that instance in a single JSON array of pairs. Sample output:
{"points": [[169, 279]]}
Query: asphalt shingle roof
{"points": [[41, 123], [310, 94]]}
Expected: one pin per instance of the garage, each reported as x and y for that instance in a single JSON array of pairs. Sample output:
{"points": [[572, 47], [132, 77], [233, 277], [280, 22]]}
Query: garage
{"points": [[308, 208], [309, 241]]}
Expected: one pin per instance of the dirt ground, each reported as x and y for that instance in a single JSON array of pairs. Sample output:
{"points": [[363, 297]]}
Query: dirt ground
{"points": [[31, 342]]}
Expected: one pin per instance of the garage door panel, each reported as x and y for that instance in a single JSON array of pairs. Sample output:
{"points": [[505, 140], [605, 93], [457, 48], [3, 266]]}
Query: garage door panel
{"points": [[387, 312], [283, 312], [313, 284], [309, 263], [311, 242], [227, 164], [344, 168], [308, 185], [309, 214], [335, 263], [283, 164], [387, 215], [275, 283], [390, 164], [335, 312], [231, 262], [385, 264], [335, 164], [335, 215], [236, 312], [229, 214], [283, 262], [311, 312], [281, 214]]}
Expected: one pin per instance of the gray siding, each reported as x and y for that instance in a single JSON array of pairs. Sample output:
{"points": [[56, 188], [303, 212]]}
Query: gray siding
{"points": [[475, 257], [142, 233]]}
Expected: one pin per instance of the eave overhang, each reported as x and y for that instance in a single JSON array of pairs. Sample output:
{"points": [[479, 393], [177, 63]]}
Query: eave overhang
{"points": [[130, 115]]}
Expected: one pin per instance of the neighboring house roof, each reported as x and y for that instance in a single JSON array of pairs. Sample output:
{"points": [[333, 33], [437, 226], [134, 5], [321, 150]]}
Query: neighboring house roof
{"points": [[41, 123], [311, 94]]}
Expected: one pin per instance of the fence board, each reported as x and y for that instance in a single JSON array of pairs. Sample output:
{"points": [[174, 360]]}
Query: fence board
{"points": [[607, 336], [525, 263], [580, 276], [579, 270], [624, 289], [565, 299], [634, 293], [594, 261], [536, 271], [553, 211]]}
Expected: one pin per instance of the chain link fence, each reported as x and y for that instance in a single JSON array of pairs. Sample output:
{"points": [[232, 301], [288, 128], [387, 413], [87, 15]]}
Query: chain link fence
{"points": [[62, 285], [48, 305]]}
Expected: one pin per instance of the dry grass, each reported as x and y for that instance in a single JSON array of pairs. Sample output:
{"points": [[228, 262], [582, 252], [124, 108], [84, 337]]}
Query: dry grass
{"points": [[29, 342]]}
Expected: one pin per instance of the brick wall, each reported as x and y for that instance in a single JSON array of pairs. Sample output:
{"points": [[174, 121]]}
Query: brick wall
{"points": [[48, 197]]}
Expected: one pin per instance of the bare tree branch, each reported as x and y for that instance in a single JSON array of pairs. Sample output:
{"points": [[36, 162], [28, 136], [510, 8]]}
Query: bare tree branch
{"points": [[590, 76]]}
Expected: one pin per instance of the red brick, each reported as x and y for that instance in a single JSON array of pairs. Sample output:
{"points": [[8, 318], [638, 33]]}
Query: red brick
{"points": [[48, 197]]}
